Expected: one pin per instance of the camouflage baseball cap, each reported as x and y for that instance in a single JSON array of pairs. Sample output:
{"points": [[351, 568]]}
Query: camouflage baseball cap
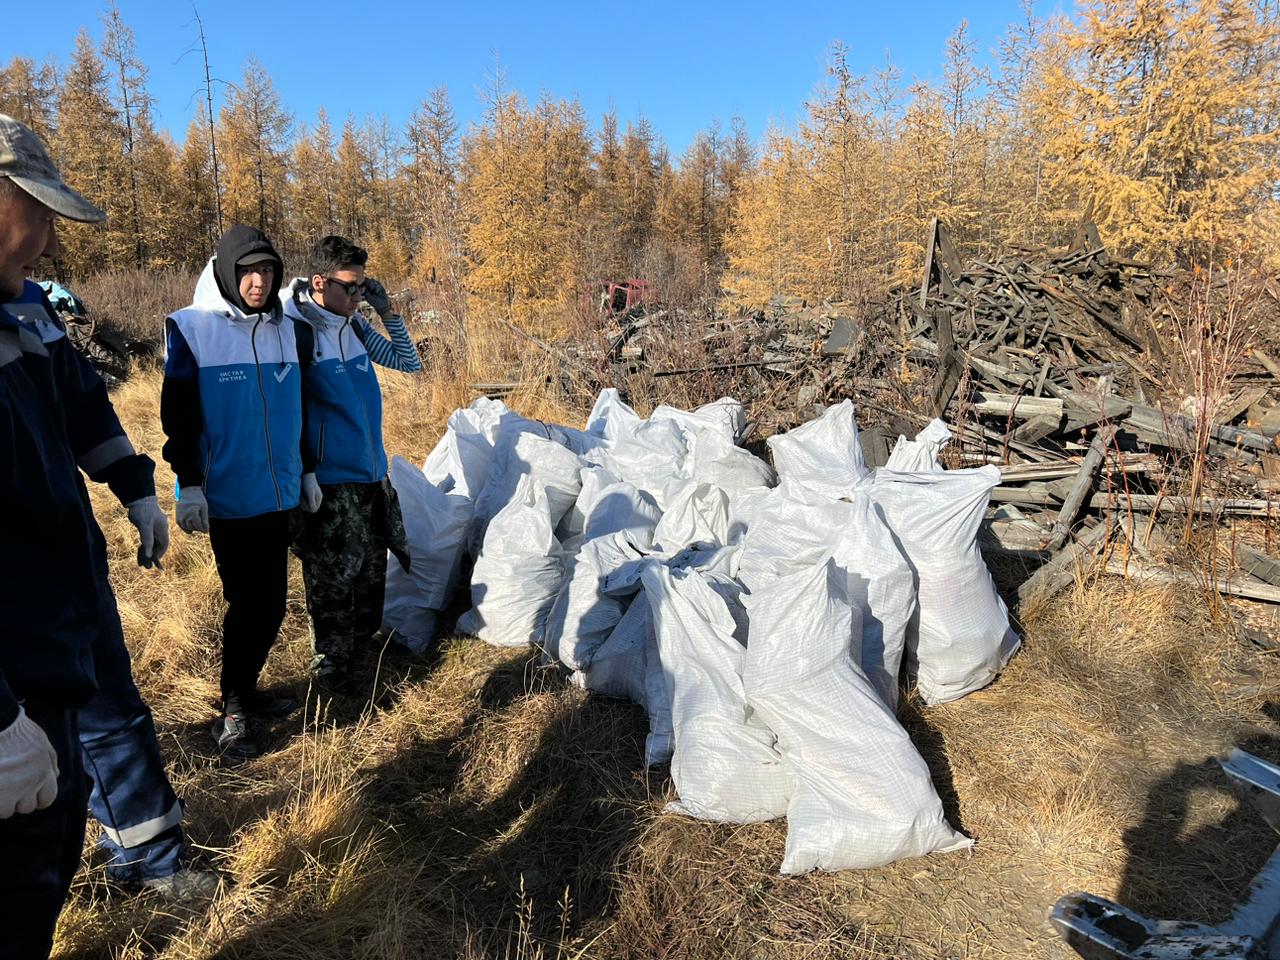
{"points": [[25, 161]]}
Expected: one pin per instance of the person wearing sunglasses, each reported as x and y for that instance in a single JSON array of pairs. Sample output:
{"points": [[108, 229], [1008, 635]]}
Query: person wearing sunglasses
{"points": [[352, 514]]}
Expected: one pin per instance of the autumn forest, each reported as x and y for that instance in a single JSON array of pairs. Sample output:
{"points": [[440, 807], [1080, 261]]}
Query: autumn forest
{"points": [[1157, 119]]}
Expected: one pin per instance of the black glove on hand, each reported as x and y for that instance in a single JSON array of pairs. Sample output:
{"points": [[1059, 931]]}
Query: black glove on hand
{"points": [[375, 295]]}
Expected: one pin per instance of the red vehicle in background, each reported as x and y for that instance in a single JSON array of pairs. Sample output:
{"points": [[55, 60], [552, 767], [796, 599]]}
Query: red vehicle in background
{"points": [[621, 296]]}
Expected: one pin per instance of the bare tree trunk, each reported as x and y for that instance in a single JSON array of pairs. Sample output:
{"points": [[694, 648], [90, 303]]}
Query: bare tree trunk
{"points": [[213, 137]]}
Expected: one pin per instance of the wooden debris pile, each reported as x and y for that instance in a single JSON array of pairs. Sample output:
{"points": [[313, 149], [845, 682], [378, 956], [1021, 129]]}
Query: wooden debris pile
{"points": [[1051, 365], [1055, 370]]}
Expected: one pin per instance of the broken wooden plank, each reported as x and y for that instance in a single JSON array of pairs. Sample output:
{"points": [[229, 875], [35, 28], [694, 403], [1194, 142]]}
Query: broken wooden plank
{"points": [[1159, 503], [1080, 487], [1240, 402], [1179, 430], [1230, 586], [949, 369], [1061, 570], [1020, 406], [1265, 359], [1018, 472], [1086, 409], [1257, 564], [1039, 495], [1036, 429], [930, 245], [1032, 495]]}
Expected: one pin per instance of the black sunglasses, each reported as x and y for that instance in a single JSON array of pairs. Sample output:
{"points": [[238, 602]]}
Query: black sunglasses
{"points": [[350, 286]]}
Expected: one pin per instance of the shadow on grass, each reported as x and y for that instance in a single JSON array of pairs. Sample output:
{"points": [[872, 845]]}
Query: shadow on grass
{"points": [[1180, 871], [505, 833]]}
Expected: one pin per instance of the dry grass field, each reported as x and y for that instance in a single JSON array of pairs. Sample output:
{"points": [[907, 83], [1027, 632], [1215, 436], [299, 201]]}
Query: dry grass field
{"points": [[474, 805]]}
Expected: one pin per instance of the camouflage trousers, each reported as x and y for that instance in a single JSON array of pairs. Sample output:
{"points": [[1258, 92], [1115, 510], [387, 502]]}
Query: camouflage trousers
{"points": [[343, 548]]}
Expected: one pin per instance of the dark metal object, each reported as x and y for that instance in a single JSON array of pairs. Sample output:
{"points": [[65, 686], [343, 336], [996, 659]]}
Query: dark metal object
{"points": [[1098, 929]]}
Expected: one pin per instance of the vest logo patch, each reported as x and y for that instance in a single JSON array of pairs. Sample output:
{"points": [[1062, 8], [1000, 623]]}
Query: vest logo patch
{"points": [[231, 376], [283, 373]]}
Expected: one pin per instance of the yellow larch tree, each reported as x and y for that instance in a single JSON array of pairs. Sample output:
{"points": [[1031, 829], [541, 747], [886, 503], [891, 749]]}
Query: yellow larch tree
{"points": [[525, 173], [194, 194], [353, 182], [253, 138], [430, 178], [766, 256], [312, 181], [88, 147], [29, 92], [1159, 116]]}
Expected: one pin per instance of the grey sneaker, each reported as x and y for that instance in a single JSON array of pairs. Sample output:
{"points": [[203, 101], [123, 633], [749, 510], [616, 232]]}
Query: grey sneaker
{"points": [[231, 732], [188, 883]]}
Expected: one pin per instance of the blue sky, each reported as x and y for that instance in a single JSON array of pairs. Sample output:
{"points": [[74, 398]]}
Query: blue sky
{"points": [[679, 64]]}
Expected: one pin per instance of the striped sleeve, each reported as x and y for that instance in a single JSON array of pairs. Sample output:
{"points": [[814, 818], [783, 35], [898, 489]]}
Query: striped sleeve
{"points": [[397, 353]]}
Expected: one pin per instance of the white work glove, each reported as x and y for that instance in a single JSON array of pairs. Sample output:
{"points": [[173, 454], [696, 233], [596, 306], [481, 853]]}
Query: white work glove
{"points": [[28, 768], [311, 494], [193, 510], [153, 530]]}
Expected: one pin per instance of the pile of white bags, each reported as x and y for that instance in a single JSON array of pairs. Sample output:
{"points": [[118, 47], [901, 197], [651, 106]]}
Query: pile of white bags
{"points": [[761, 623]]}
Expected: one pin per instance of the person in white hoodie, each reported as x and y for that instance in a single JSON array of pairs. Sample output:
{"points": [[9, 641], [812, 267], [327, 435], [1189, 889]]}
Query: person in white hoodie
{"points": [[231, 407], [354, 516]]}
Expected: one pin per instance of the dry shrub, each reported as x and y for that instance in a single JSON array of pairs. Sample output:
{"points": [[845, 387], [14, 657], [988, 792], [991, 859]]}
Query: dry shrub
{"points": [[134, 302]]}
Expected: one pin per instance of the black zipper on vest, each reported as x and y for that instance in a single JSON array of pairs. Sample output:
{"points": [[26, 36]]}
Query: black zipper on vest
{"points": [[266, 412]]}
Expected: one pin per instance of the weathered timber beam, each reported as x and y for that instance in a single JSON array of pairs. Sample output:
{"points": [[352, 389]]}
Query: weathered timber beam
{"points": [[1230, 586], [1061, 569], [1080, 487], [1023, 407]]}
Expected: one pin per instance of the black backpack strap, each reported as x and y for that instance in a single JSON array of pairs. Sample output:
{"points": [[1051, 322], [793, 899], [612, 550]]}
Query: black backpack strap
{"points": [[305, 339]]}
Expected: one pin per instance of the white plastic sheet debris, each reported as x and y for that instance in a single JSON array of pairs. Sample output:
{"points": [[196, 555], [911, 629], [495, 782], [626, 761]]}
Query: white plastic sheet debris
{"points": [[695, 513], [920, 454], [862, 795], [725, 417], [518, 573], [724, 766], [823, 455], [520, 567], [583, 615], [464, 454], [962, 638], [438, 506], [882, 586], [519, 444], [647, 453], [617, 527]]}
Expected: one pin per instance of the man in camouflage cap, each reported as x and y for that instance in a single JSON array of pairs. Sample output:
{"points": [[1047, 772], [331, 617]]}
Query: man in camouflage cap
{"points": [[66, 690]]}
